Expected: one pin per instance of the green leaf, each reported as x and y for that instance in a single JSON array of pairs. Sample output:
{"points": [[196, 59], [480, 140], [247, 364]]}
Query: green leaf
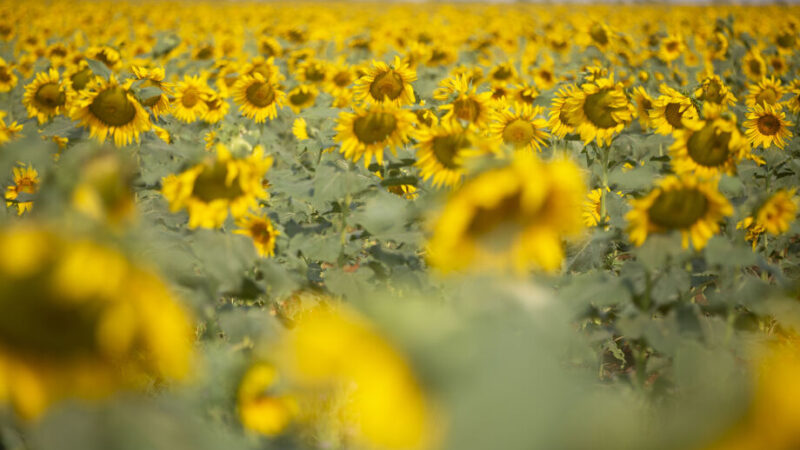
{"points": [[99, 69]]}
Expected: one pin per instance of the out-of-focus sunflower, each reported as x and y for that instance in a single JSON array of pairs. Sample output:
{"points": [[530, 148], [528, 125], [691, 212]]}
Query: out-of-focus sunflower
{"points": [[219, 185], [8, 79], [442, 149], [299, 129], [767, 125], [467, 105], [260, 229], [269, 47], [189, 103], [671, 48], [794, 101], [503, 73], [766, 92], [340, 80], [686, 204], [753, 65], [644, 104], [154, 77], [26, 181], [8, 131], [217, 107], [108, 108], [46, 97], [387, 84], [261, 407], [264, 67], [312, 71], [367, 132], [258, 98], [559, 122], [713, 90], [78, 76], [107, 55], [777, 64], [599, 110], [709, 147], [524, 94], [512, 217], [670, 110], [301, 97], [521, 127], [778, 212]]}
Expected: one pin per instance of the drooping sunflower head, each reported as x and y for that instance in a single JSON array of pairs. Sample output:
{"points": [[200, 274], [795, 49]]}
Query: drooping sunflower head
{"points": [[709, 147], [599, 109], [108, 108], [713, 90], [367, 132], [387, 84], [46, 96], [670, 110], [767, 92], [78, 76], [258, 98], [510, 218], [767, 125], [686, 204], [521, 128]]}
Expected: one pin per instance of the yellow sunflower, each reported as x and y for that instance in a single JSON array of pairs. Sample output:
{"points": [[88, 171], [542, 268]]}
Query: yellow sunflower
{"points": [[301, 97], [442, 149], [106, 55], [686, 204], [512, 217], [312, 71], [8, 79], [504, 73], [158, 104], [591, 208], [778, 212], [46, 97], [468, 105], [299, 129], [260, 410], [644, 104], [260, 230], [794, 102], [524, 94], [78, 76], [258, 98], [189, 103], [8, 131], [110, 109], [367, 132], [521, 128], [264, 67], [26, 181], [217, 107], [341, 78], [387, 84], [559, 122], [717, 47], [753, 65], [709, 147], [599, 109], [766, 92], [671, 48], [219, 185], [713, 90], [767, 125], [777, 64], [670, 110]]}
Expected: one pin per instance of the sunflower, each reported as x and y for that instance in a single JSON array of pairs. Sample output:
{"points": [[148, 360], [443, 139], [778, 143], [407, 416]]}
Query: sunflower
{"points": [[264, 67], [189, 103], [670, 110], [442, 149], [208, 191], [8, 132], [671, 48], [387, 84], [312, 71], [709, 147], [260, 230], [520, 128], [46, 97], [644, 104], [78, 76], [753, 230], [713, 90], [106, 55], [794, 102], [544, 75], [687, 204], [524, 94], [717, 47], [301, 97], [158, 104], [559, 122], [8, 79], [753, 65], [503, 73], [258, 98], [426, 117], [269, 47], [366, 132], [767, 92], [110, 109], [340, 80], [778, 212], [299, 129], [599, 109], [468, 105], [26, 181], [511, 217], [777, 64], [217, 109], [261, 410], [767, 125]]}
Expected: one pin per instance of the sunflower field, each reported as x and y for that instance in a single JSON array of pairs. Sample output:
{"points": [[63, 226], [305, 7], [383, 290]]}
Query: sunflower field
{"points": [[234, 225]]}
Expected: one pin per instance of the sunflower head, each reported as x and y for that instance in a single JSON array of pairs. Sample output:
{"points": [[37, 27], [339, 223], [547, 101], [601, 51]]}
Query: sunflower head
{"points": [[387, 84], [46, 96], [367, 132], [258, 98], [108, 108], [767, 125], [599, 110], [709, 147]]}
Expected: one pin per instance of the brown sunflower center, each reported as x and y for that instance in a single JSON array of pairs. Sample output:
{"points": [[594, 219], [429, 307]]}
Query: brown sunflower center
{"points": [[487, 220], [342, 79], [315, 73], [424, 117], [50, 95], [786, 39], [211, 184], [599, 108], [527, 96], [767, 96], [466, 109], [768, 125], [598, 34], [518, 133], [712, 92], [113, 108], [301, 97], [260, 232], [388, 85], [755, 67], [673, 113], [81, 78], [672, 46], [678, 209], [502, 73], [446, 147], [708, 147], [5, 75], [190, 98], [260, 94], [374, 127], [205, 52]]}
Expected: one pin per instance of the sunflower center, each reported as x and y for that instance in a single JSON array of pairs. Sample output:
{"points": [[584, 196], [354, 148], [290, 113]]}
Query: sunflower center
{"points": [[518, 132], [445, 148], [466, 109], [527, 96], [342, 79], [211, 184], [672, 46], [190, 98], [50, 95], [598, 34], [487, 220], [424, 117], [502, 73], [768, 125], [5, 75], [301, 97], [315, 73], [599, 108], [678, 208], [105, 57], [786, 40], [713, 92], [709, 148], [113, 108], [81, 78], [767, 97], [546, 75], [260, 232], [374, 127], [673, 114], [386, 85], [260, 94], [205, 52], [755, 67]]}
